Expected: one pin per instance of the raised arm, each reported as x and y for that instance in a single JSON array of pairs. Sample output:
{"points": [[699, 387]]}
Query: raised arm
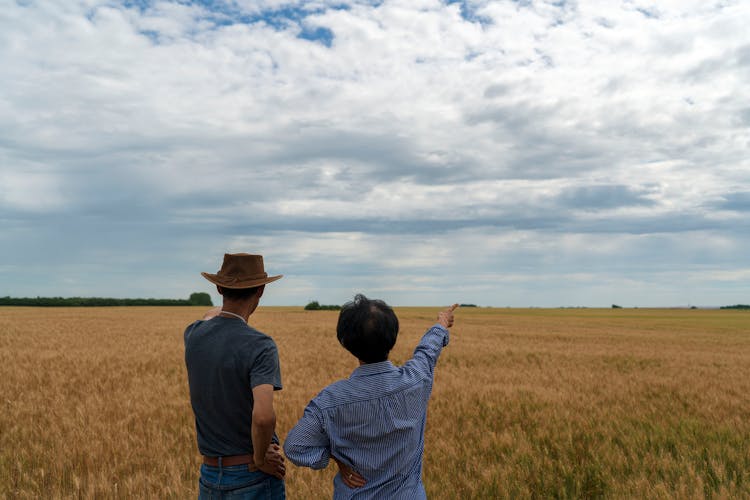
{"points": [[427, 352]]}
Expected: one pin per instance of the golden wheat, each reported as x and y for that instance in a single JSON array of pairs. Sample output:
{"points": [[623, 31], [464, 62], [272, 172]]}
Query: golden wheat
{"points": [[527, 403]]}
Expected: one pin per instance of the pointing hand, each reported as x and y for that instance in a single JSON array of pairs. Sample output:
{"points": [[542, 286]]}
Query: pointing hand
{"points": [[445, 318]]}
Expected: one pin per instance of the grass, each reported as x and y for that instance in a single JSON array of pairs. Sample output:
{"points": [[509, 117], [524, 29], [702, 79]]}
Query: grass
{"points": [[538, 403]]}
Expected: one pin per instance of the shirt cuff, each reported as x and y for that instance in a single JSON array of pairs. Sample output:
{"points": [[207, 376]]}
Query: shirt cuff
{"points": [[443, 330]]}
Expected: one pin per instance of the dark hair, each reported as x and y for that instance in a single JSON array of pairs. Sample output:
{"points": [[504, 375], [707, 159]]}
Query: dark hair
{"points": [[236, 294], [367, 328]]}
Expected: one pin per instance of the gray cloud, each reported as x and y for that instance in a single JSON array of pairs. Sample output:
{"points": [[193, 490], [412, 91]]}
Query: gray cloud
{"points": [[739, 202], [604, 197]]}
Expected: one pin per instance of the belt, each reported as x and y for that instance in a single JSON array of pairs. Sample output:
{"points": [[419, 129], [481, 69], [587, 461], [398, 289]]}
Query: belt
{"points": [[231, 460]]}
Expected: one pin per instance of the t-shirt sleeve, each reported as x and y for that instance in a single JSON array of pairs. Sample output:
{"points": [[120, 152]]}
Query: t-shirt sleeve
{"points": [[189, 330], [265, 368]]}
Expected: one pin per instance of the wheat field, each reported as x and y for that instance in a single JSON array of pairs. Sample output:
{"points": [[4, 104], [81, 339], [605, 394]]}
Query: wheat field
{"points": [[537, 403]]}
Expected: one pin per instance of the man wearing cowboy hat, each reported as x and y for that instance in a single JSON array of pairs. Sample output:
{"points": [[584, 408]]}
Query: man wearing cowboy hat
{"points": [[233, 371]]}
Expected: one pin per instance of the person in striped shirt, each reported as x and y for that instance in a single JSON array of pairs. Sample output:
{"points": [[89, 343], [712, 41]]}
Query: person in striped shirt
{"points": [[372, 424]]}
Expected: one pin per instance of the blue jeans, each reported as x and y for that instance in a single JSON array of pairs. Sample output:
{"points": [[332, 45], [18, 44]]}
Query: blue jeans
{"points": [[238, 483]]}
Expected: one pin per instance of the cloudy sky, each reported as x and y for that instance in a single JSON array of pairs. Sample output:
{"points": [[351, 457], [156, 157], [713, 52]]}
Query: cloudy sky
{"points": [[504, 153]]}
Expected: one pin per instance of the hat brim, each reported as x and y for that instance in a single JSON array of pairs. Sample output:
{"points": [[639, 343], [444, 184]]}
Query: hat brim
{"points": [[237, 285]]}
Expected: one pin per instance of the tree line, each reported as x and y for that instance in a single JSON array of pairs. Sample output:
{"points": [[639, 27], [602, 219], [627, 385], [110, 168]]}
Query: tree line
{"points": [[196, 299]]}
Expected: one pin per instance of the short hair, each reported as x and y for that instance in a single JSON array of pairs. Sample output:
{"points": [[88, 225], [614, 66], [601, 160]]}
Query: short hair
{"points": [[367, 329], [236, 294]]}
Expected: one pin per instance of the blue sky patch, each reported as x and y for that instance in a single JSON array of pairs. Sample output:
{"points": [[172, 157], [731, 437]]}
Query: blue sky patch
{"points": [[469, 13], [318, 34]]}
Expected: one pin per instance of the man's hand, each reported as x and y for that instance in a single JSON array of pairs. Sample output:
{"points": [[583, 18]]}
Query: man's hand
{"points": [[274, 462], [350, 477], [212, 313], [445, 318]]}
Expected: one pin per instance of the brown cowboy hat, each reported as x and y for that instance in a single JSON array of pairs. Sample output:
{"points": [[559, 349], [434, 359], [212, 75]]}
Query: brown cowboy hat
{"points": [[241, 270]]}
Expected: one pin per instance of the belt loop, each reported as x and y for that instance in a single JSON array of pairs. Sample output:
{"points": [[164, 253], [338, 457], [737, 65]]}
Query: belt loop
{"points": [[221, 470]]}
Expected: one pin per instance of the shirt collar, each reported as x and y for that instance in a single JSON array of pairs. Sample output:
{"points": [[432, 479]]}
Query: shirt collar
{"points": [[373, 369]]}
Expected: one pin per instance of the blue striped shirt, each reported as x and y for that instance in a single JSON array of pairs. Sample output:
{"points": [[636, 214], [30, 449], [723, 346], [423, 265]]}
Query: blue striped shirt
{"points": [[374, 422]]}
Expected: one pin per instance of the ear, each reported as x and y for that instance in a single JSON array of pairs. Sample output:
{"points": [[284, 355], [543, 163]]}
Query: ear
{"points": [[261, 289], [220, 290]]}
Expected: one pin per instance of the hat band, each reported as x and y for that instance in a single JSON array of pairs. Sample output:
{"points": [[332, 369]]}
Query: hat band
{"points": [[237, 279]]}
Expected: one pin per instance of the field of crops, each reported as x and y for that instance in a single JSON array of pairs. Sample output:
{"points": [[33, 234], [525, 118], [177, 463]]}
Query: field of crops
{"points": [[540, 403]]}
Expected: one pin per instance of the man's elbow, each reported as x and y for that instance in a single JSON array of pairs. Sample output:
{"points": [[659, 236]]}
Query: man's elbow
{"points": [[293, 454], [303, 456]]}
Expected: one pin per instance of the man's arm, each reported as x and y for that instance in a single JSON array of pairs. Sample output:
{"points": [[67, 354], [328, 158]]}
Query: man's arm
{"points": [[432, 343], [307, 444], [266, 458]]}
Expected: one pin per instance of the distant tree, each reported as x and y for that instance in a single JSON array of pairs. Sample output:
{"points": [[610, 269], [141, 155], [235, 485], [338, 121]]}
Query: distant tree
{"points": [[736, 306], [200, 299], [468, 305], [615, 306], [316, 306]]}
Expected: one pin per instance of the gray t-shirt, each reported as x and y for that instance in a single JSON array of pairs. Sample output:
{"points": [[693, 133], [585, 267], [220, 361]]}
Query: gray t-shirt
{"points": [[225, 359]]}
